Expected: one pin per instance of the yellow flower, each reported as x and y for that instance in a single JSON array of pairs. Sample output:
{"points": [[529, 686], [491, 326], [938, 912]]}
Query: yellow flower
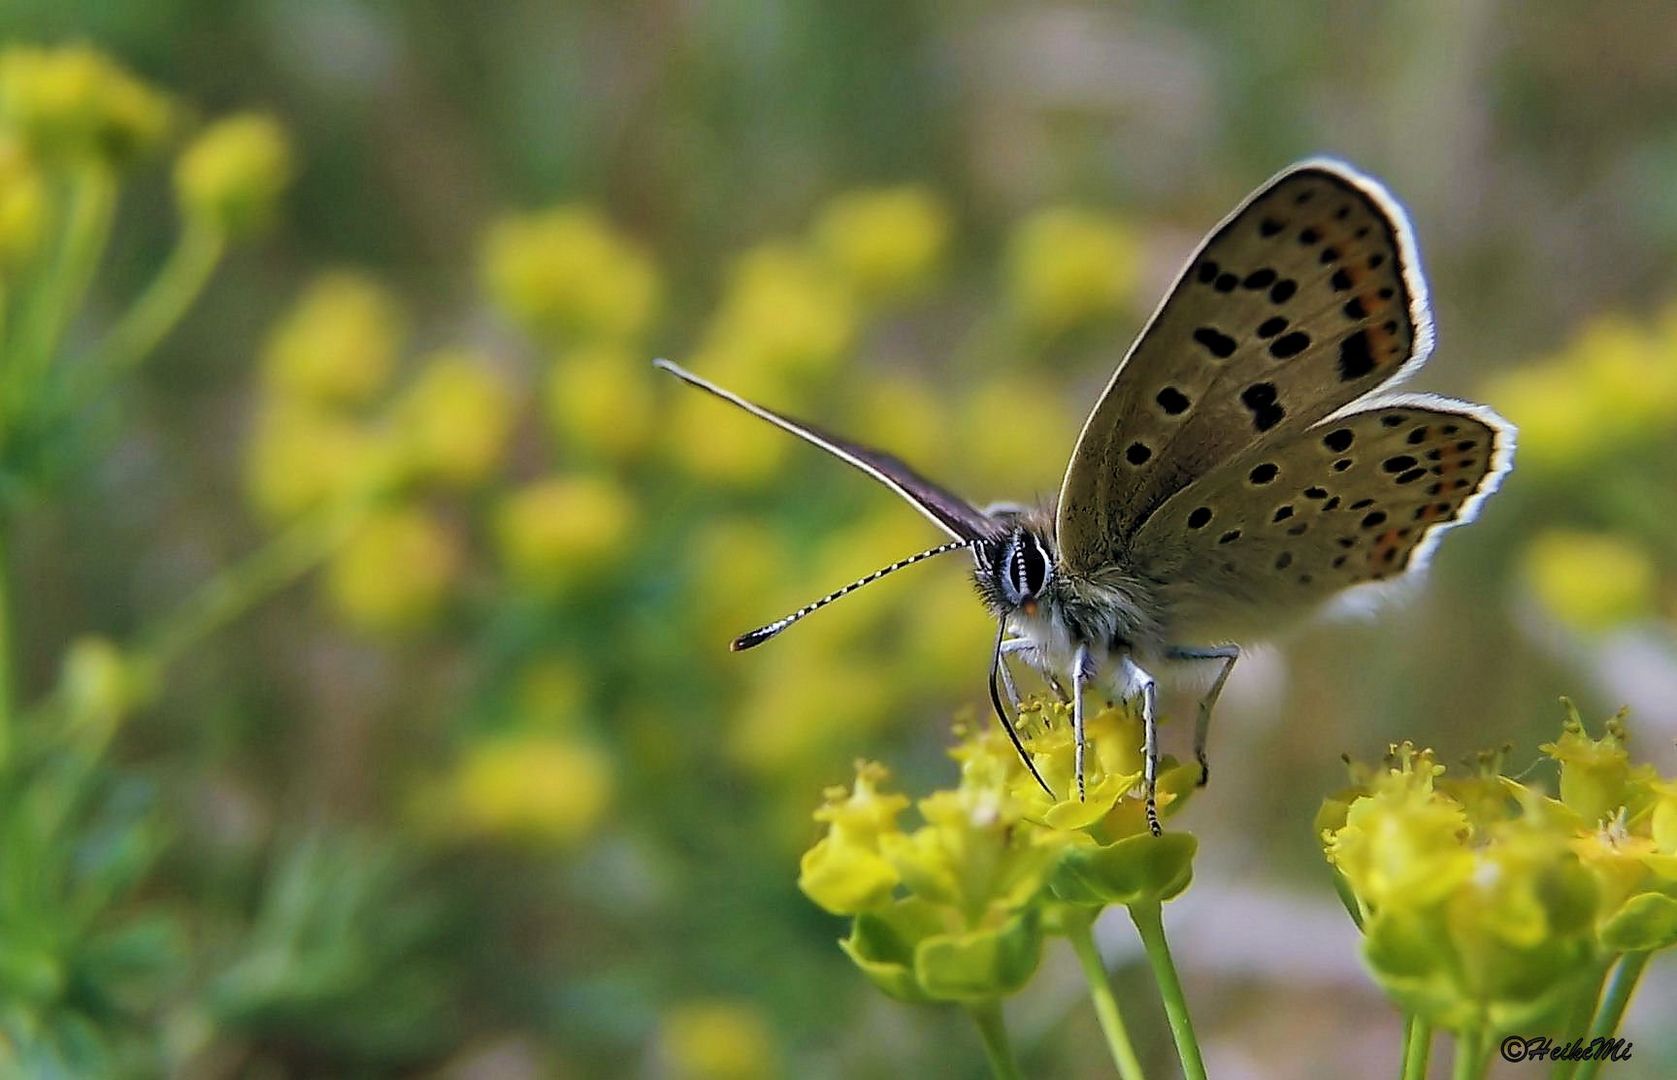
{"points": [[600, 401], [1597, 777], [730, 593], [1402, 842], [100, 684], [1591, 581], [301, 456], [885, 242], [395, 572], [73, 102], [22, 206], [338, 343], [784, 309], [718, 1040], [836, 700], [564, 532], [232, 175], [1012, 434], [1561, 427], [566, 270], [535, 788], [1066, 266], [844, 872], [721, 445], [454, 420], [1629, 372]]}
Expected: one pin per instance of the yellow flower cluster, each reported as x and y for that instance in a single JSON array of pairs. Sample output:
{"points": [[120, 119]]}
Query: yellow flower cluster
{"points": [[791, 310], [1614, 385], [1592, 581], [1489, 907], [74, 104], [717, 1040], [955, 910], [566, 272], [535, 788], [1068, 265]]}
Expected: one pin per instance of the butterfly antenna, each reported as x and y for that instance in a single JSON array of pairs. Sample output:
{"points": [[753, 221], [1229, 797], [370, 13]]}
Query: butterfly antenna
{"points": [[1001, 713], [763, 633]]}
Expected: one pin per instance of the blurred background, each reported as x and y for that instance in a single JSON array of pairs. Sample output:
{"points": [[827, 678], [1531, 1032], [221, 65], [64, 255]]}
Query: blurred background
{"points": [[394, 586]]}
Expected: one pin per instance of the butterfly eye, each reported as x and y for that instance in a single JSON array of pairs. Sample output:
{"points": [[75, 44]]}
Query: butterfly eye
{"points": [[1028, 567]]}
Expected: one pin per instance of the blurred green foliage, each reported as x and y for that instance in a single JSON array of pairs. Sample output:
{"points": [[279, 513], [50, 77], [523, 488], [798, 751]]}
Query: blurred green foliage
{"points": [[487, 791]]}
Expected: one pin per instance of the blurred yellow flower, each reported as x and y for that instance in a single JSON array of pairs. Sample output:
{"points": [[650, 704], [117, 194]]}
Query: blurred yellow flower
{"points": [[100, 683], [784, 309], [1067, 265], [568, 271], [395, 572], [884, 242], [1560, 425], [600, 401], [338, 343], [802, 706], [565, 531], [1591, 581], [534, 788], [74, 102], [1629, 372], [902, 411], [453, 421], [22, 206], [718, 1040], [1015, 435], [721, 445], [232, 175], [301, 456], [736, 569]]}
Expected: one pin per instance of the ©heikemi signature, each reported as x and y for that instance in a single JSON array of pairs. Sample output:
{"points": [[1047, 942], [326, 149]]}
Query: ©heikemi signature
{"points": [[1543, 1048]]}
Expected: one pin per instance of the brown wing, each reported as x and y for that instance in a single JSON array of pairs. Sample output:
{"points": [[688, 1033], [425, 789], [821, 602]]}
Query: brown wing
{"points": [[1306, 298]]}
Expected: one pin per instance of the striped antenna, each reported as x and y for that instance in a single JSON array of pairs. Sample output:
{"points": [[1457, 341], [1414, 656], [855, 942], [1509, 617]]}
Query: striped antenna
{"points": [[763, 633]]}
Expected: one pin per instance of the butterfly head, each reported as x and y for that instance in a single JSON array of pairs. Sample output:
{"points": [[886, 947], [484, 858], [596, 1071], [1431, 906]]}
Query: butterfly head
{"points": [[1016, 569]]}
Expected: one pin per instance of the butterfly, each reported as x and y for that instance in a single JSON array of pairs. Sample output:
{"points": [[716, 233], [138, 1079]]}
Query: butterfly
{"points": [[1247, 462]]}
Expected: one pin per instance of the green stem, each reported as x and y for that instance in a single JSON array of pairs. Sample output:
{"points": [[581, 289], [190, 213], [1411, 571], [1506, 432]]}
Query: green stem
{"points": [[1106, 1005], [997, 1050], [1417, 1047], [67, 275], [1612, 1010], [157, 310], [1470, 1059], [1578, 1020], [6, 696], [259, 575], [1149, 923]]}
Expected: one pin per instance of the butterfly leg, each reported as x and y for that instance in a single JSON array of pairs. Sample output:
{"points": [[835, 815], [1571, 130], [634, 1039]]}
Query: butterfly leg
{"points": [[1079, 674], [1027, 648], [1227, 654], [1012, 645], [1149, 691]]}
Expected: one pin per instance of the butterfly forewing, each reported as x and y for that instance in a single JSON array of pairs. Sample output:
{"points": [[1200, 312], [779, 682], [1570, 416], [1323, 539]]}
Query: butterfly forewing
{"points": [[951, 513], [1306, 298], [1357, 498]]}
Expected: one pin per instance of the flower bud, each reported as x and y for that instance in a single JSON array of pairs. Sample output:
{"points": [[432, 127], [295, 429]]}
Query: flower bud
{"points": [[233, 174]]}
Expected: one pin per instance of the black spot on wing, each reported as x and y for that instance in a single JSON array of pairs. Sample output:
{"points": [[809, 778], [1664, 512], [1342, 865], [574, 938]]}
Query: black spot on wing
{"points": [[1173, 401], [1355, 358], [1260, 399], [1216, 342], [1290, 345]]}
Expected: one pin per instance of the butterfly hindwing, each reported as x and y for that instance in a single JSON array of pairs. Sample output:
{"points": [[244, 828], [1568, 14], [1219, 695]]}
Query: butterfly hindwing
{"points": [[1306, 298], [1358, 497]]}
